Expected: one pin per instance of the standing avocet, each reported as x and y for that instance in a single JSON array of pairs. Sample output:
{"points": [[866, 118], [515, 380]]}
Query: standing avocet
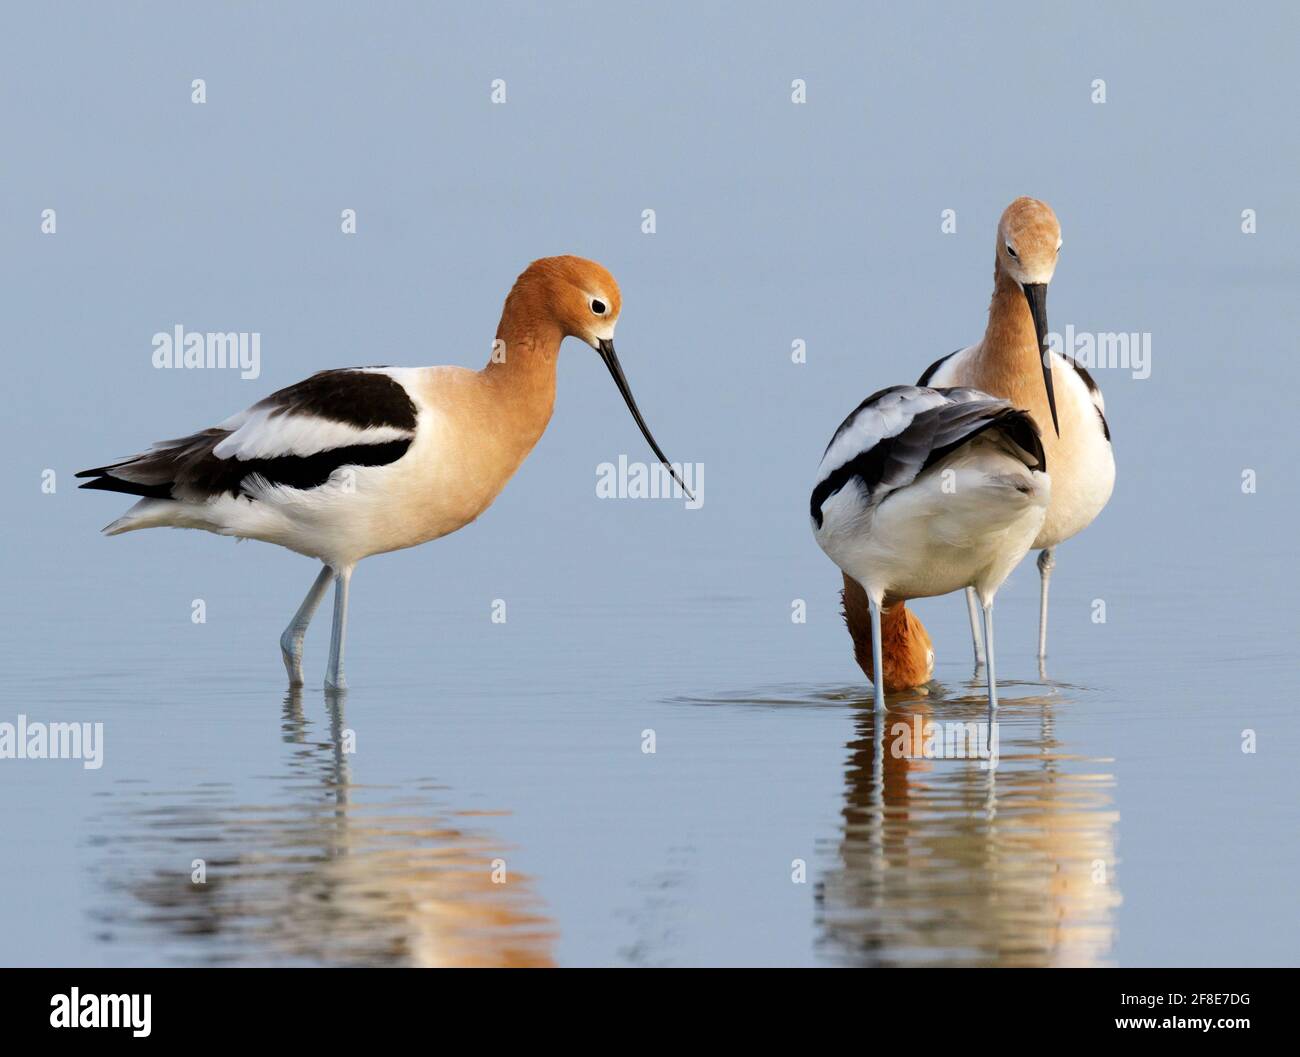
{"points": [[925, 491], [1013, 362], [361, 461]]}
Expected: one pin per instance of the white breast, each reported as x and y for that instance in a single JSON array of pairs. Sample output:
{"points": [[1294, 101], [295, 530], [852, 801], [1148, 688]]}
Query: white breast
{"points": [[1081, 461]]}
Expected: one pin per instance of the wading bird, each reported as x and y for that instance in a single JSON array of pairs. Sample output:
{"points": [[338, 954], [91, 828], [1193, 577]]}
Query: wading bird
{"points": [[925, 491], [1013, 362], [360, 461]]}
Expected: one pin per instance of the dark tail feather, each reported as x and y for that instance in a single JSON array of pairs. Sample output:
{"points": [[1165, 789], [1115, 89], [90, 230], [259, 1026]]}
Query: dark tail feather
{"points": [[105, 483], [155, 473], [100, 471]]}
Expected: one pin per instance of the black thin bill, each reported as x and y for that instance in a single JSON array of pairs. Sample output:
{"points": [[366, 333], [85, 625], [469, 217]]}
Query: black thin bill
{"points": [[616, 369], [1036, 295]]}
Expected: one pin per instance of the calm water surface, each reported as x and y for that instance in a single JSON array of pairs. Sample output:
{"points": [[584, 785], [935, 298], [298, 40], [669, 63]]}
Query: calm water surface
{"points": [[502, 817]]}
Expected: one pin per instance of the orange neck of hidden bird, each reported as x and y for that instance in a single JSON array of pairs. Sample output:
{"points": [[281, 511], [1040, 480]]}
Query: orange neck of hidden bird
{"points": [[906, 652]]}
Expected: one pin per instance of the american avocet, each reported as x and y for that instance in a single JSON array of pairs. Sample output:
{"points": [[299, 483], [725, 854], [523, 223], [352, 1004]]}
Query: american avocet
{"points": [[925, 491], [361, 461], [1013, 362]]}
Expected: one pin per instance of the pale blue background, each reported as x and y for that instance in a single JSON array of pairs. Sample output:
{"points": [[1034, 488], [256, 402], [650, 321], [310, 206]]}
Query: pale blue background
{"points": [[775, 222]]}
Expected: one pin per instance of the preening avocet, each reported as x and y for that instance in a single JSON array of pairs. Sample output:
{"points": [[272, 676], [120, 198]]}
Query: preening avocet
{"points": [[360, 461], [925, 491], [1013, 362]]}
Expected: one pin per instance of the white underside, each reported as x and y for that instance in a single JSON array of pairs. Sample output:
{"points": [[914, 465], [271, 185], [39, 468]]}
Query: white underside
{"points": [[942, 532], [331, 522]]}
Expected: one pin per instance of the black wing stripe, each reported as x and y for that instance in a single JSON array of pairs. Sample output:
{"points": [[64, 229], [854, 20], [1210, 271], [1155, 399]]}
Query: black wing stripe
{"points": [[216, 476], [358, 398], [210, 477]]}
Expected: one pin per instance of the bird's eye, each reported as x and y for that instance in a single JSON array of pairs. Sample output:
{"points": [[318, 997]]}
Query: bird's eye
{"points": [[598, 306], [1012, 253]]}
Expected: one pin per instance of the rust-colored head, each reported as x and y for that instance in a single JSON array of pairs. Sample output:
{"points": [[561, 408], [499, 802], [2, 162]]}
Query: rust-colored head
{"points": [[1029, 240], [580, 299], [579, 295]]}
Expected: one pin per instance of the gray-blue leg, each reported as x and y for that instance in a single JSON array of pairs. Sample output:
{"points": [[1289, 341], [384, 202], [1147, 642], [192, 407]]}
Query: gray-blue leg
{"points": [[877, 661], [291, 640], [1046, 563], [973, 611], [988, 645], [334, 679]]}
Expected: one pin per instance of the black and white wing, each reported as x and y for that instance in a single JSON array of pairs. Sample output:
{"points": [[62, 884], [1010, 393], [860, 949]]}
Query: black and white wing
{"points": [[899, 432], [295, 438], [944, 368]]}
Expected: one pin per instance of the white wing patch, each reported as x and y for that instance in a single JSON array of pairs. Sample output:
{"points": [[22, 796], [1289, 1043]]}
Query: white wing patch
{"points": [[271, 432], [952, 369], [885, 416]]}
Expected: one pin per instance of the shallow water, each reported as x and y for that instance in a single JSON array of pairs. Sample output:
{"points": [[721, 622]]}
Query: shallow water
{"points": [[482, 795], [483, 818]]}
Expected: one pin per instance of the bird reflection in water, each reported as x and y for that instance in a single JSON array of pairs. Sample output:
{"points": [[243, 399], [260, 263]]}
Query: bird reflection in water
{"points": [[328, 873], [942, 861]]}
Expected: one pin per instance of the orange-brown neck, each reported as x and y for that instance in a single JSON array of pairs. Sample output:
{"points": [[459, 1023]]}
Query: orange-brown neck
{"points": [[1010, 349], [521, 369], [906, 652], [1009, 367]]}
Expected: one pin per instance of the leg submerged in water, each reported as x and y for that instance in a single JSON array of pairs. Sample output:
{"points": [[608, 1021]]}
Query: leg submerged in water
{"points": [[973, 611], [291, 640], [988, 646], [1046, 563], [877, 662], [334, 678]]}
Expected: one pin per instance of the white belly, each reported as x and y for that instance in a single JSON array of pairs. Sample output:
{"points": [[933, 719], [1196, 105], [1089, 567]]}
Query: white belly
{"points": [[1081, 461]]}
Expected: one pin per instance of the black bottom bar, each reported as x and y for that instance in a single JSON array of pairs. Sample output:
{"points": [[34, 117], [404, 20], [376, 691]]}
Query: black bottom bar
{"points": [[332, 1006]]}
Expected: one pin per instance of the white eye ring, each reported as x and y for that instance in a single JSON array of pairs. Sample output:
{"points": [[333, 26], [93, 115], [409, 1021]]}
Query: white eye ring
{"points": [[598, 306], [1014, 256]]}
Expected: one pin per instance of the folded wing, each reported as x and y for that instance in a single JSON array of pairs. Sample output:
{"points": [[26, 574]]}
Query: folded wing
{"points": [[295, 438], [896, 434]]}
